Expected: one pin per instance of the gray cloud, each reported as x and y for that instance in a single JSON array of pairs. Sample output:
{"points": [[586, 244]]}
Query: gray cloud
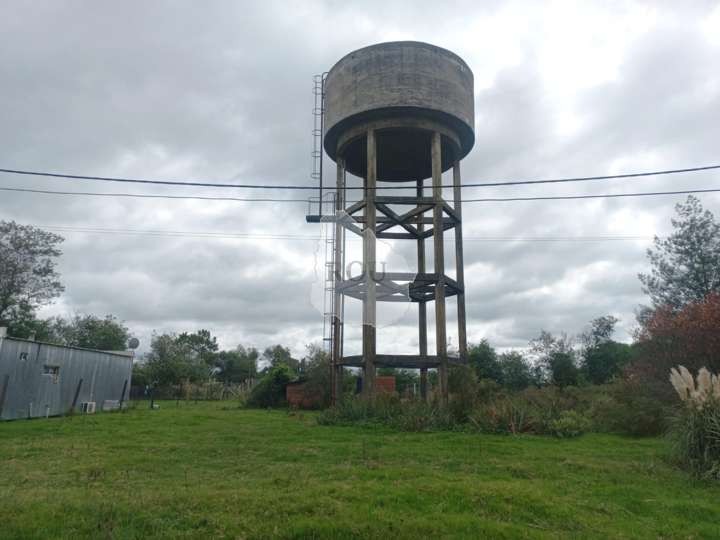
{"points": [[222, 91]]}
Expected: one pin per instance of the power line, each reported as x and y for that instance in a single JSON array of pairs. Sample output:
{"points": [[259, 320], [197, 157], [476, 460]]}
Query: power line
{"points": [[181, 234], [590, 178], [305, 201], [603, 196], [303, 187], [151, 196], [253, 236]]}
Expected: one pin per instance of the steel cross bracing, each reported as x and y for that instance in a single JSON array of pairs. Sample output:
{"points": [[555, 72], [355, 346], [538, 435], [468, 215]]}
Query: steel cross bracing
{"points": [[400, 286]]}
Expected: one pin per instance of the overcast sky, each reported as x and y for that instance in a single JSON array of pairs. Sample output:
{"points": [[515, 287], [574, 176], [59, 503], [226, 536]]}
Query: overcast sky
{"points": [[223, 91]]}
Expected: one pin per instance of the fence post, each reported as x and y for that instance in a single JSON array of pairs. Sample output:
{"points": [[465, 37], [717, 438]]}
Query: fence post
{"points": [[3, 393], [122, 396], [77, 394]]}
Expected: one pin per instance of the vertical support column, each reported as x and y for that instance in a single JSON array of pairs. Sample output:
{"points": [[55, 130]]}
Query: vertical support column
{"points": [[369, 266], [336, 352], [422, 305], [439, 258], [3, 392], [460, 275]]}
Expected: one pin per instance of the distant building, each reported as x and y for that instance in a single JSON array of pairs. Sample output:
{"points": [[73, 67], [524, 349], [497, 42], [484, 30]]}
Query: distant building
{"points": [[40, 379]]}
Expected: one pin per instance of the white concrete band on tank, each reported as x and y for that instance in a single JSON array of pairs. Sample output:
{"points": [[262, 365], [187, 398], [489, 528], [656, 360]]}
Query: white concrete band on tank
{"points": [[399, 112]]}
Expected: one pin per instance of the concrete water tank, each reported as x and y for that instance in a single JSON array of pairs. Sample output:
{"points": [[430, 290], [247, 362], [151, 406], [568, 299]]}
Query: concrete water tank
{"points": [[404, 90]]}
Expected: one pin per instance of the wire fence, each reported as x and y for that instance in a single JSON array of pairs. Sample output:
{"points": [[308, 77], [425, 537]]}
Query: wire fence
{"points": [[209, 391]]}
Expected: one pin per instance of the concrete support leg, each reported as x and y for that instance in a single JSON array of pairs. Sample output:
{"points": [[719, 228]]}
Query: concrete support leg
{"points": [[369, 267], [422, 306], [336, 350], [457, 200], [439, 258]]}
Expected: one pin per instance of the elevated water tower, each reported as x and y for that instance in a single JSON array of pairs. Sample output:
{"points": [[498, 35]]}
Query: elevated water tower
{"points": [[398, 113]]}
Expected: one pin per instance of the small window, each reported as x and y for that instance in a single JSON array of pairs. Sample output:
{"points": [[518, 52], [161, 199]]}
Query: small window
{"points": [[52, 371], [23, 356]]}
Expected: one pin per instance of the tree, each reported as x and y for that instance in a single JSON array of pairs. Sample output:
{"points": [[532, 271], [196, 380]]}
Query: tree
{"points": [[201, 343], [91, 332], [270, 391], [171, 361], [483, 358], [317, 374], [686, 265], [141, 376], [28, 278], [602, 358], [601, 331], [689, 337], [563, 370], [278, 355], [555, 358], [606, 361], [235, 366], [26, 325], [515, 369]]}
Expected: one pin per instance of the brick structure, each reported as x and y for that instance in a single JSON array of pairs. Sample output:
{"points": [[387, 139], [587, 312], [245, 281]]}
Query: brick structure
{"points": [[385, 384], [299, 396]]}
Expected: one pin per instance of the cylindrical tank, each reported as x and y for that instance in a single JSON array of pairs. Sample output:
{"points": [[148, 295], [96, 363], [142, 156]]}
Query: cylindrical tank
{"points": [[404, 90]]}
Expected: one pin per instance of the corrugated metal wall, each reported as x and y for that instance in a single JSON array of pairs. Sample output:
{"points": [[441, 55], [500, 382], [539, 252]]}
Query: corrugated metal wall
{"points": [[37, 379]]}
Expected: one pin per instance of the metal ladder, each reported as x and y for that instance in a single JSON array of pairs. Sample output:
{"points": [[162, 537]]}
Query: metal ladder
{"points": [[318, 119], [329, 291], [326, 207]]}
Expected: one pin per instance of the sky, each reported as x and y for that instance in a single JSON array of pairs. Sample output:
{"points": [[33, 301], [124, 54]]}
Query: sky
{"points": [[222, 91]]}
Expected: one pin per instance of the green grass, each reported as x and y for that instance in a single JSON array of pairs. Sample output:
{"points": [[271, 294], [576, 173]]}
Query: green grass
{"points": [[212, 471]]}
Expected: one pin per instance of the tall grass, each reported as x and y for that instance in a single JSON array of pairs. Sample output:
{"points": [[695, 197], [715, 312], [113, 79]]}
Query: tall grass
{"points": [[695, 429], [503, 415], [391, 412]]}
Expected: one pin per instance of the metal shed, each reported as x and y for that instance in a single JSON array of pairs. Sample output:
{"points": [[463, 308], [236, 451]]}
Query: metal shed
{"points": [[40, 379]]}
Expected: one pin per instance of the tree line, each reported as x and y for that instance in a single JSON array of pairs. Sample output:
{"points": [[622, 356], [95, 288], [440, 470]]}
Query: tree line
{"points": [[680, 325]]}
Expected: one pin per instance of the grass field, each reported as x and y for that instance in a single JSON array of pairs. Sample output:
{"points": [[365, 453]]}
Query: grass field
{"points": [[215, 471]]}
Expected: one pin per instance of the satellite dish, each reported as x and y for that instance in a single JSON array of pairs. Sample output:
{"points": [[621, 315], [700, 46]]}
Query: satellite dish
{"points": [[133, 343]]}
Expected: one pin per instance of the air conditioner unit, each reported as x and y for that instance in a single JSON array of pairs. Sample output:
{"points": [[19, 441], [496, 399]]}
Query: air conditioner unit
{"points": [[87, 407]]}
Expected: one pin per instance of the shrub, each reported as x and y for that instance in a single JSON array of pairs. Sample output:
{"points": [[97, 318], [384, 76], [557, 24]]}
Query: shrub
{"points": [[391, 412], [687, 336], [546, 404], [270, 391], [419, 416], [570, 424], [541, 411], [348, 411], [695, 429], [630, 407], [510, 415], [464, 391], [488, 391]]}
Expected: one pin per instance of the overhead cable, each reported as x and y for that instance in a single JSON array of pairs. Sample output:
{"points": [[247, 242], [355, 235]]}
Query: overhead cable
{"points": [[498, 183]]}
